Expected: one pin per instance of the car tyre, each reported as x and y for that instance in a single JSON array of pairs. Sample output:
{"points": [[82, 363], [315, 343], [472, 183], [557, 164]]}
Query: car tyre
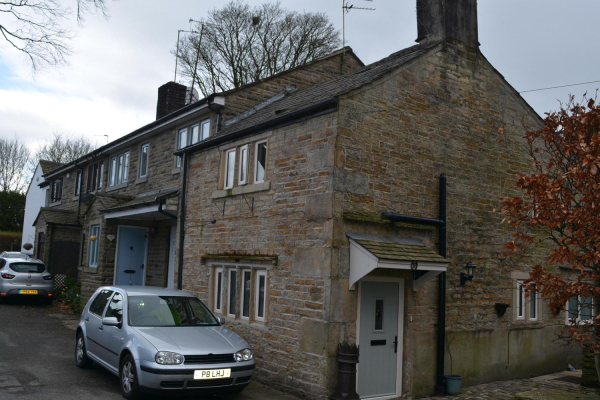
{"points": [[81, 358], [130, 388]]}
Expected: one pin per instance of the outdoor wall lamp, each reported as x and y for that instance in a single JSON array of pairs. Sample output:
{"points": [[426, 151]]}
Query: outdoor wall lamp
{"points": [[469, 275], [93, 238], [413, 266]]}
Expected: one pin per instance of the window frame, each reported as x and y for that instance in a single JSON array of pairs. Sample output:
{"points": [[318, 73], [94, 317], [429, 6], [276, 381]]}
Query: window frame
{"points": [[230, 303], [218, 295], [578, 320], [243, 165], [520, 301], [227, 170], [257, 275], [96, 246], [58, 182], [256, 180], [202, 124], [78, 180], [142, 159], [119, 173], [242, 293]]}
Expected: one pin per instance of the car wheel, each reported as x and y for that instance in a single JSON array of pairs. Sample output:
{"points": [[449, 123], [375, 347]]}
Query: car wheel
{"points": [[81, 358], [130, 388]]}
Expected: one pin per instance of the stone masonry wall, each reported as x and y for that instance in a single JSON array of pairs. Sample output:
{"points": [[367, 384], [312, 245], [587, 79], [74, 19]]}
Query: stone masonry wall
{"points": [[282, 225], [441, 113]]}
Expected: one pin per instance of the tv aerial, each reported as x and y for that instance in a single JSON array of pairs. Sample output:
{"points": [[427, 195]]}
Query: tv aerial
{"points": [[346, 7]]}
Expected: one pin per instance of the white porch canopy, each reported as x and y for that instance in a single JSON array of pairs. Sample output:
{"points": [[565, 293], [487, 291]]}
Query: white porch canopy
{"points": [[368, 252]]}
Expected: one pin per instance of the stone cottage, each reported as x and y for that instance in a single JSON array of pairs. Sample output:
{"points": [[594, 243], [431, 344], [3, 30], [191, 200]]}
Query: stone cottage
{"points": [[333, 202]]}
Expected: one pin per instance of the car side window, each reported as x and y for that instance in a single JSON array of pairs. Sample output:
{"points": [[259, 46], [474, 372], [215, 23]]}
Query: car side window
{"points": [[2, 263], [100, 301], [115, 307]]}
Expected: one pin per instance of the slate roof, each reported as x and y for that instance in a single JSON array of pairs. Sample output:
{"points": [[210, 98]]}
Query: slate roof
{"points": [[401, 252], [48, 166], [323, 91], [57, 216]]}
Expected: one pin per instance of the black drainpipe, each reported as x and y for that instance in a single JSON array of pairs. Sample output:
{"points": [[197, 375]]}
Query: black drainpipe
{"points": [[441, 224], [182, 220], [162, 201]]}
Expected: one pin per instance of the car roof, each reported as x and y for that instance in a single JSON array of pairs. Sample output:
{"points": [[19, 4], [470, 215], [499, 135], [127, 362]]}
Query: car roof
{"points": [[149, 291], [23, 259], [12, 254]]}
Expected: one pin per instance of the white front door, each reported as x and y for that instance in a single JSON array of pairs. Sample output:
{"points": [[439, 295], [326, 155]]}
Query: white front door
{"points": [[379, 339]]}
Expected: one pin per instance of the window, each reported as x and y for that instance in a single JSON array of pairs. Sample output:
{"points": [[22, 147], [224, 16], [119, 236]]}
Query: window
{"points": [[115, 307], [119, 169], [260, 295], [40, 245], [229, 168], [56, 192], [182, 141], [378, 314], [100, 301], [94, 176], [94, 241], [243, 165], [232, 292], [144, 160], [194, 133], [580, 310], [260, 164], [533, 306], [246, 287], [78, 183], [520, 300], [204, 129], [191, 135], [218, 290]]}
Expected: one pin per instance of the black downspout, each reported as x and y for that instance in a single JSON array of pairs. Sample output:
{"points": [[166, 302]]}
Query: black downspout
{"points": [[441, 336], [161, 201], [182, 221]]}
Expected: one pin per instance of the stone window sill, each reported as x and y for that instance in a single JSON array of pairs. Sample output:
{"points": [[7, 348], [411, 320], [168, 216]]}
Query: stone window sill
{"points": [[90, 270], [246, 189], [176, 170], [56, 203], [116, 187], [141, 180]]}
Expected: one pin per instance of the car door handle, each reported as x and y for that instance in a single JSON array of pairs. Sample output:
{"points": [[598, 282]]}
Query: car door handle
{"points": [[87, 319], [101, 327], [396, 345], [142, 267]]}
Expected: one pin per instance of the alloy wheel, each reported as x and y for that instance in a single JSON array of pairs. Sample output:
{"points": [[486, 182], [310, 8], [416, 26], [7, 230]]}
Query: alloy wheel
{"points": [[79, 354], [127, 376]]}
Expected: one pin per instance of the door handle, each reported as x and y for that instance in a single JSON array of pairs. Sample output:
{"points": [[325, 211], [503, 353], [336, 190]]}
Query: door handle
{"points": [[142, 267], [87, 319], [101, 327], [396, 345]]}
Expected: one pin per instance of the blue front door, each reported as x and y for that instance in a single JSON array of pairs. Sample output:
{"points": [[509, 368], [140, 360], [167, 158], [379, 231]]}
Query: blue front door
{"points": [[131, 256]]}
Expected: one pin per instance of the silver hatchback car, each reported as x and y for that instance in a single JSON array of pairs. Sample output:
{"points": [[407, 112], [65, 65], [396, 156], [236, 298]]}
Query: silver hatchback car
{"points": [[161, 340], [25, 277]]}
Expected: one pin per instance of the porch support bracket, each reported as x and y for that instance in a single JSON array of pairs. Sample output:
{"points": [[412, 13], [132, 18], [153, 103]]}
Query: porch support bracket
{"points": [[418, 283]]}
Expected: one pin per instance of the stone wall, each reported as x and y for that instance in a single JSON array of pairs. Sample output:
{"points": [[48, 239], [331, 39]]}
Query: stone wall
{"points": [[589, 376]]}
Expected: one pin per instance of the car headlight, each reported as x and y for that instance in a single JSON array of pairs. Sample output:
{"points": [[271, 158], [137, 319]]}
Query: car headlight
{"points": [[168, 358], [243, 355]]}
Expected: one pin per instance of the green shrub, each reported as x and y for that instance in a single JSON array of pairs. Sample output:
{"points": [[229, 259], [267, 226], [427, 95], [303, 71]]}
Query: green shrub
{"points": [[70, 293]]}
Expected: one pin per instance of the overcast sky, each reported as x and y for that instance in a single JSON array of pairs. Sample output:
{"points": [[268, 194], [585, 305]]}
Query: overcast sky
{"points": [[111, 84]]}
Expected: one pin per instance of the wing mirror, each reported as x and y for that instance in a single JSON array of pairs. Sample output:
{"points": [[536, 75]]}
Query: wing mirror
{"points": [[221, 320], [111, 321]]}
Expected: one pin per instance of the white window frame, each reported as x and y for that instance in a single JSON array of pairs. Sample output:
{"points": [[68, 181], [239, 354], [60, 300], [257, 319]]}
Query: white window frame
{"points": [[256, 180], [204, 123], [191, 133], [178, 144], [226, 184], [230, 271], [78, 180], [218, 299], [578, 320], [147, 146], [259, 273], [243, 165], [96, 246], [242, 303], [119, 165], [520, 301]]}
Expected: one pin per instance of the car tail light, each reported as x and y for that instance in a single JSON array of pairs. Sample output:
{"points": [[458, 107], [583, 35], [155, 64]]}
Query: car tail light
{"points": [[49, 294], [7, 276], [47, 277]]}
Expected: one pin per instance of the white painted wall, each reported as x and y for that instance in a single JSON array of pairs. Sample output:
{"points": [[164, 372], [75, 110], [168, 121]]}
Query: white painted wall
{"points": [[35, 199]]}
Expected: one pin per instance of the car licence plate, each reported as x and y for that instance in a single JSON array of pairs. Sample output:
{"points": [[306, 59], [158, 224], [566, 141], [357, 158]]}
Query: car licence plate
{"points": [[28, 291], [212, 373]]}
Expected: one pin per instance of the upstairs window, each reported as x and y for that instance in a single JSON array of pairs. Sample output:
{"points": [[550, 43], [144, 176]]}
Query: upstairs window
{"points": [[520, 300], [260, 163], [78, 183], [94, 176], [243, 165], [182, 141], [580, 310], [229, 168], [204, 129], [191, 135], [144, 160], [119, 169], [94, 242], [56, 192]]}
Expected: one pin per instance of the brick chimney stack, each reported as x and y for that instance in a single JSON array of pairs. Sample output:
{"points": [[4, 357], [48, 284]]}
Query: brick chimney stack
{"points": [[171, 97], [447, 19]]}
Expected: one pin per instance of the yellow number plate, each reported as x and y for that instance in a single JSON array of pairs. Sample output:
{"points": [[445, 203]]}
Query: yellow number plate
{"points": [[23, 291], [212, 373]]}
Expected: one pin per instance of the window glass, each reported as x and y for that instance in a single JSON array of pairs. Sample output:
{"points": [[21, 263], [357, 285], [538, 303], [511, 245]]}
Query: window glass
{"points": [[119, 169], [586, 309], [100, 175], [573, 306], [520, 300], [260, 306], [169, 311], [94, 234], [100, 301], [78, 183], [205, 127], [195, 131], [246, 293], [144, 160], [379, 314], [219, 284], [113, 171], [232, 290], [56, 193], [125, 168], [229, 169], [28, 267], [243, 164], [181, 143], [40, 245], [115, 307], [261, 160], [533, 305]]}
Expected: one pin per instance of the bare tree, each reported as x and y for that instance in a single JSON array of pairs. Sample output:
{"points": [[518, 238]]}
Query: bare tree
{"points": [[238, 44], [63, 149], [14, 157], [33, 27]]}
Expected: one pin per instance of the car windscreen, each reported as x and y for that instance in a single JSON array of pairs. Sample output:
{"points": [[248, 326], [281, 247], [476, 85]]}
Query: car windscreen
{"points": [[168, 311], [32, 268]]}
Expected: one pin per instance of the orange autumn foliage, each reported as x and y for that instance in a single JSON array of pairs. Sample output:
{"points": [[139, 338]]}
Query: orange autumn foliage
{"points": [[561, 204]]}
